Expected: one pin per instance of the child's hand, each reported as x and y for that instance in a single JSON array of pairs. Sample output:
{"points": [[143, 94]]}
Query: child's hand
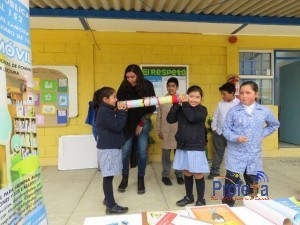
{"points": [[121, 105], [242, 139], [160, 136], [186, 98]]}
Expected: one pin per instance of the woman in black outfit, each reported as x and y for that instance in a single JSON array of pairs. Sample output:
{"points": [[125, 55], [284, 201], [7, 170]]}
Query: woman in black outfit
{"points": [[135, 86]]}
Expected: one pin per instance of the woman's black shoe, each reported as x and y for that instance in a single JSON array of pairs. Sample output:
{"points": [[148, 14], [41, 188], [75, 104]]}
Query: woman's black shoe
{"points": [[116, 209], [124, 183], [186, 200]]}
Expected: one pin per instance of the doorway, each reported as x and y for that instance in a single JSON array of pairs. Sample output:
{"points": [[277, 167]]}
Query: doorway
{"points": [[287, 92]]}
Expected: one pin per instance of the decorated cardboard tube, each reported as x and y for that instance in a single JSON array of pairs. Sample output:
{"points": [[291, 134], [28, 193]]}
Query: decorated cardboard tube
{"points": [[150, 101]]}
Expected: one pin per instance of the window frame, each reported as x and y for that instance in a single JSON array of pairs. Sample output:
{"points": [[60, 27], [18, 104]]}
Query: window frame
{"points": [[261, 77]]}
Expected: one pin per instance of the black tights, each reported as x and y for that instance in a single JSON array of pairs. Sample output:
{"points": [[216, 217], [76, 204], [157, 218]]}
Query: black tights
{"points": [[108, 191]]}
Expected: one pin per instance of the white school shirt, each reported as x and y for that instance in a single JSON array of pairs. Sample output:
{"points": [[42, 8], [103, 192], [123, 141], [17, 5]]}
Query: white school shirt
{"points": [[220, 114]]}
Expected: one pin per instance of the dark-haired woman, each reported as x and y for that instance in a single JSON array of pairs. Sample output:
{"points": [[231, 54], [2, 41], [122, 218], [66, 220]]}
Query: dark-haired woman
{"points": [[135, 86]]}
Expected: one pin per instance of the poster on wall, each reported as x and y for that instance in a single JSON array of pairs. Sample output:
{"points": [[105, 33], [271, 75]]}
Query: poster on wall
{"points": [[53, 86], [159, 75], [21, 200]]}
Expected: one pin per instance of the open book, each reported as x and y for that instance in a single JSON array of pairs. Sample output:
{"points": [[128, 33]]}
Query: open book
{"points": [[170, 218], [215, 214], [151, 218], [258, 211]]}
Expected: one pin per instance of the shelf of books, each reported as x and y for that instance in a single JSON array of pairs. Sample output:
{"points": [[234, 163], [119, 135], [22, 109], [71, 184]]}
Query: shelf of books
{"points": [[24, 146], [25, 127]]}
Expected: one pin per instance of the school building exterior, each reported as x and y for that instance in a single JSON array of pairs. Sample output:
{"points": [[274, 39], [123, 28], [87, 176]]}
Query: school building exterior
{"points": [[212, 59]]}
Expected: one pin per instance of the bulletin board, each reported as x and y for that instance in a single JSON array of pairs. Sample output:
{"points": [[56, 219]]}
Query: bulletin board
{"points": [[53, 86], [159, 75]]}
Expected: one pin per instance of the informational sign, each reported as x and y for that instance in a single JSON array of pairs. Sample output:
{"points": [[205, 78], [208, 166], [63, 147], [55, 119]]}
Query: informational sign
{"points": [[159, 75], [21, 200]]}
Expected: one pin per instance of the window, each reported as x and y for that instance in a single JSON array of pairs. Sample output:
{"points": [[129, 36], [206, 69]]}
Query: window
{"points": [[257, 66]]}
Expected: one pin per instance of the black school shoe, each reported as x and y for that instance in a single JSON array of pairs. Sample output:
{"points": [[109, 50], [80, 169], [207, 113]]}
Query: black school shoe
{"points": [[116, 209], [200, 203], [180, 180], [186, 200], [166, 181]]}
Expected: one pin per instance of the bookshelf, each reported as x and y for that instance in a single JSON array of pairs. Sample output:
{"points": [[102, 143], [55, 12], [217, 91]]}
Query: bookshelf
{"points": [[25, 127]]}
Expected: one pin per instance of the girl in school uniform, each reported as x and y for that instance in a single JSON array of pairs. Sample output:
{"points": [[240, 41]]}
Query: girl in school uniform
{"points": [[244, 129], [190, 153], [109, 125]]}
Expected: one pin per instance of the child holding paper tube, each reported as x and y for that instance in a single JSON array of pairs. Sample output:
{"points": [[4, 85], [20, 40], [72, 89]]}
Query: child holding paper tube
{"points": [[190, 153], [109, 125]]}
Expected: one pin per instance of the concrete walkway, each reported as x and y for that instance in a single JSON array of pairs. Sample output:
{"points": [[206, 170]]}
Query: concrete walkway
{"points": [[71, 196]]}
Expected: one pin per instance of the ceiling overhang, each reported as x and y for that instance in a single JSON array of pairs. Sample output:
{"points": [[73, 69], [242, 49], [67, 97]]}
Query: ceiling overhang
{"points": [[161, 16]]}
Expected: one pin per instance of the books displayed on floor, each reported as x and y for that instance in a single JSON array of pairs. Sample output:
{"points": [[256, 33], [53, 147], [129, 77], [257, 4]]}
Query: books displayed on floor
{"points": [[215, 214], [151, 218], [258, 211], [271, 210], [170, 218], [127, 219]]}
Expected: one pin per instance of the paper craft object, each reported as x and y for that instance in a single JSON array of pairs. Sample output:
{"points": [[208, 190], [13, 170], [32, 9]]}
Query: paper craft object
{"points": [[150, 101]]}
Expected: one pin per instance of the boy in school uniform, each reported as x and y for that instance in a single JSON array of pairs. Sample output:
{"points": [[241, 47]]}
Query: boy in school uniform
{"points": [[167, 132], [227, 91]]}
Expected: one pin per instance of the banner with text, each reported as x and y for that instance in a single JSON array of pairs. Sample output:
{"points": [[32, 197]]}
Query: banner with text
{"points": [[21, 200], [159, 75]]}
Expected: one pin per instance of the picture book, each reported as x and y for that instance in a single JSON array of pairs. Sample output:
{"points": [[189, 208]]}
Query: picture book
{"points": [[170, 218], [215, 214], [151, 218]]}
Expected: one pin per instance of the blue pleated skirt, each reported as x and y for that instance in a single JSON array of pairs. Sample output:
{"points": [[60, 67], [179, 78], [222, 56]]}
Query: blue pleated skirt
{"points": [[193, 161], [110, 161]]}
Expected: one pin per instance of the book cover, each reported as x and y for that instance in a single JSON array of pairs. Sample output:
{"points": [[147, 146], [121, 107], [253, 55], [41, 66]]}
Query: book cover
{"points": [[215, 214], [151, 218], [170, 218]]}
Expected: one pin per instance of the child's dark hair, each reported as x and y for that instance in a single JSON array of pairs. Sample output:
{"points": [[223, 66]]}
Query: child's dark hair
{"points": [[195, 88], [229, 87], [173, 80], [96, 100], [252, 84], [102, 93]]}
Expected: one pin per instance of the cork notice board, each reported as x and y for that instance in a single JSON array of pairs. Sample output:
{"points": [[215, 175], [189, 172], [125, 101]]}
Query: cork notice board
{"points": [[53, 86]]}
